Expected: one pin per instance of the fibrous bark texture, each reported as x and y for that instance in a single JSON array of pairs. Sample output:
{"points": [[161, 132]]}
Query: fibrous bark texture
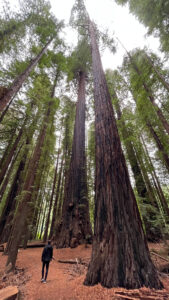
{"points": [[75, 227], [120, 255]]}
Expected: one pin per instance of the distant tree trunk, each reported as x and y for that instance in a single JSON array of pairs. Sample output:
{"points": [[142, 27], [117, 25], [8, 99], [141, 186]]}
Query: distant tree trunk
{"points": [[10, 203], [11, 153], [76, 225], [159, 145], [59, 210], [7, 149], [37, 198], [120, 255], [156, 139], [162, 79], [6, 180], [41, 209], [140, 184], [151, 98], [24, 208], [149, 187], [51, 200], [156, 182], [16, 85], [52, 228]]}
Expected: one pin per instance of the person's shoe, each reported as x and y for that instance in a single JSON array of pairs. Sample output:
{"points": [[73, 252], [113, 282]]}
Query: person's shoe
{"points": [[42, 280]]}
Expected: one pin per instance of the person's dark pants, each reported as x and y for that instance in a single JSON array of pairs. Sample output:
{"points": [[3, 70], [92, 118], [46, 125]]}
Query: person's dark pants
{"points": [[45, 263]]}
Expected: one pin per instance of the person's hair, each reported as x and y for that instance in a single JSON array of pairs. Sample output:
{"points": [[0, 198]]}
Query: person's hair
{"points": [[49, 242]]}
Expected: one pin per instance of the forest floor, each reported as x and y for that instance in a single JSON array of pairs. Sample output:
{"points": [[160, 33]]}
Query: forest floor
{"points": [[65, 281]]}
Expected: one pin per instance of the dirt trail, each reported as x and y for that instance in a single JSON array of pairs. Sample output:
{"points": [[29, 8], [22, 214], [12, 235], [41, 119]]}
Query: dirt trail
{"points": [[65, 281]]}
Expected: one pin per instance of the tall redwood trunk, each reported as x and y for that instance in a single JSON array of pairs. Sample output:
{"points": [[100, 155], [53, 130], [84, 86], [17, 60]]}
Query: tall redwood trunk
{"points": [[16, 85], [76, 226], [120, 255]]}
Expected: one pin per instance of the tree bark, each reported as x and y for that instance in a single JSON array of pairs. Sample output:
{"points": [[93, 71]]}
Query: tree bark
{"points": [[17, 83], [120, 255], [75, 214]]}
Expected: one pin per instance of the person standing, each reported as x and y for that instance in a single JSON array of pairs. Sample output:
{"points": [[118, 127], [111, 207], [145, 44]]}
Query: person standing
{"points": [[47, 256]]}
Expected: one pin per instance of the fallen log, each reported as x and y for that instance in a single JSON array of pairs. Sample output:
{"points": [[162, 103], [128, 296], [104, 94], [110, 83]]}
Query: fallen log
{"points": [[75, 262], [34, 245], [9, 293]]}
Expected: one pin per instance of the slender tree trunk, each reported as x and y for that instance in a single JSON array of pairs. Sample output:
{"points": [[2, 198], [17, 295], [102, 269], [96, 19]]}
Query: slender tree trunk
{"points": [[7, 149], [16, 85], [120, 255], [156, 182], [61, 194], [162, 79], [10, 155], [51, 200], [43, 220], [20, 222], [76, 225], [151, 98], [37, 198], [156, 139], [140, 184], [159, 145], [10, 204], [41, 210], [6, 180], [52, 228]]}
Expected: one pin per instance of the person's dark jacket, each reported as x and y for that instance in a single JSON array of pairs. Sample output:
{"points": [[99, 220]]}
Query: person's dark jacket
{"points": [[47, 253]]}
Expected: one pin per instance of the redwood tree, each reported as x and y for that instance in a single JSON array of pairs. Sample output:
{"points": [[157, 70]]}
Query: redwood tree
{"points": [[75, 227], [120, 255]]}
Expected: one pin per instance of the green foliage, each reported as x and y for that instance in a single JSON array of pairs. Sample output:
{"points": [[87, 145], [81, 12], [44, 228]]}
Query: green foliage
{"points": [[80, 60], [154, 15]]}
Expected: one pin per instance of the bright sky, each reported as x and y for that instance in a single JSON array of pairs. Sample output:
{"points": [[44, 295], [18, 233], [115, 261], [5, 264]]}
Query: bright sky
{"points": [[107, 14]]}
